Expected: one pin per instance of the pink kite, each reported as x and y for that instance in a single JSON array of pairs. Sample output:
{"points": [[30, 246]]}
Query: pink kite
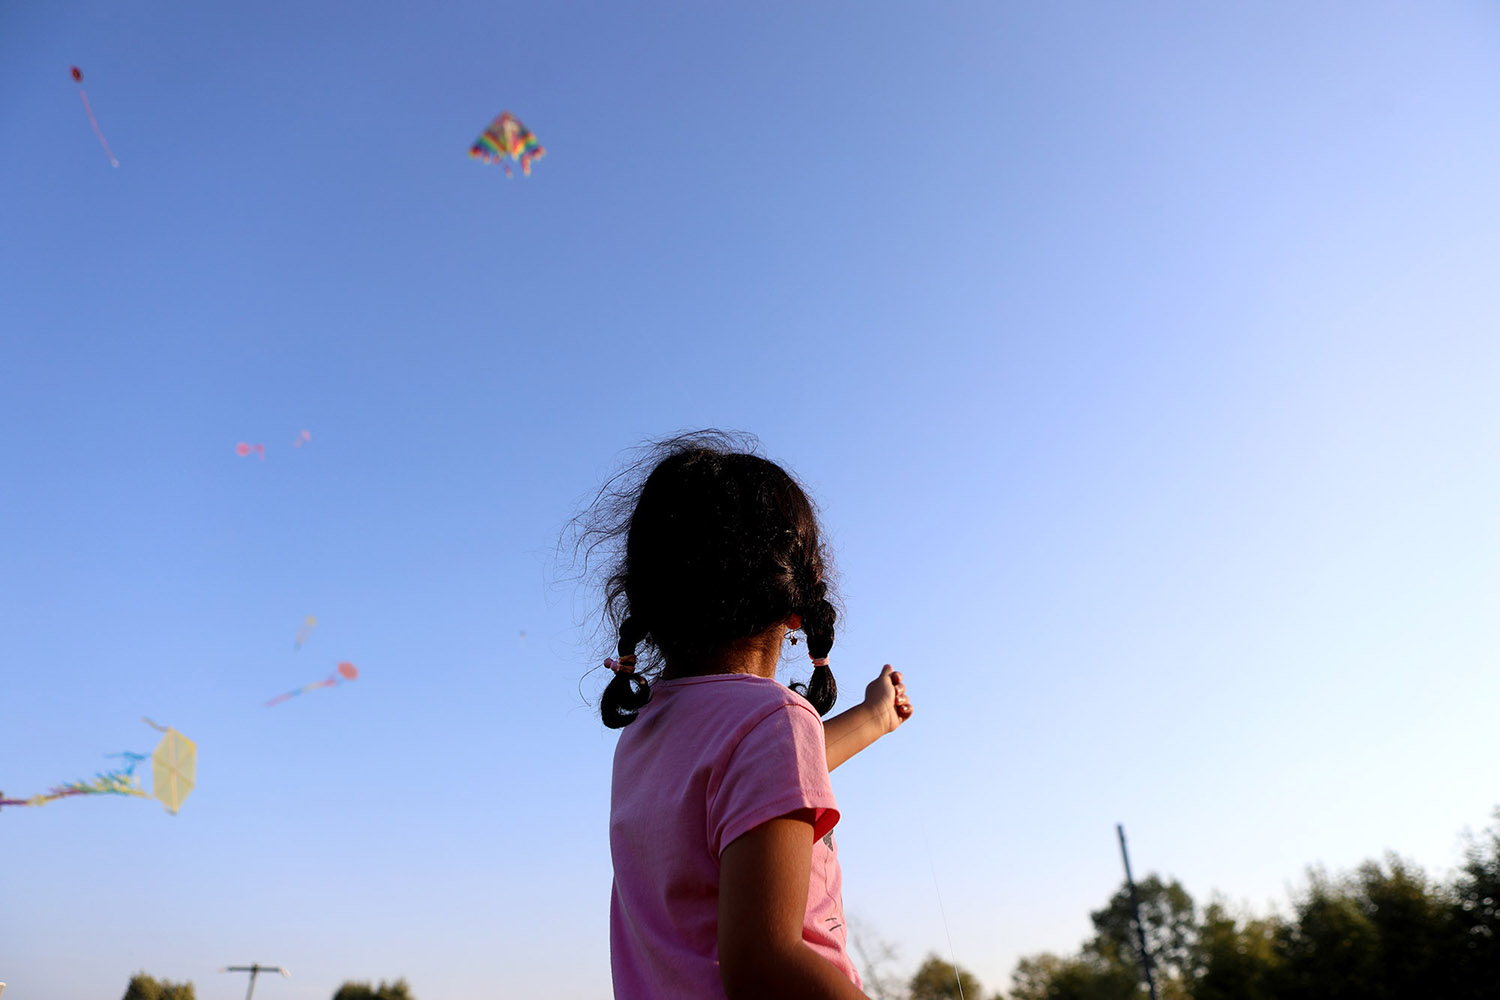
{"points": [[346, 672], [78, 79]]}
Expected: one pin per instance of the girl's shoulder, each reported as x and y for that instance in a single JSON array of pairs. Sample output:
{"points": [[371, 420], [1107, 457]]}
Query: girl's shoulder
{"points": [[725, 705]]}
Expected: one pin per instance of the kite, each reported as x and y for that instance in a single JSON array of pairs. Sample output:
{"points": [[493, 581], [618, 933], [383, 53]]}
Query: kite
{"points": [[78, 79], [346, 672], [301, 439], [242, 449], [506, 136], [308, 624], [173, 767]]}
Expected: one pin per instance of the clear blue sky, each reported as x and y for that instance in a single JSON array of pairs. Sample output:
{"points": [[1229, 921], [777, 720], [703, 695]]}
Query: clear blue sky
{"points": [[1143, 363]]}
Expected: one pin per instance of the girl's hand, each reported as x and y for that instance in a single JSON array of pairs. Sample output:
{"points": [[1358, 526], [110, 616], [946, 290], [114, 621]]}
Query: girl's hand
{"points": [[886, 700], [885, 707]]}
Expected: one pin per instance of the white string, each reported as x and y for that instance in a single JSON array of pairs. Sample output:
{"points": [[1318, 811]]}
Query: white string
{"points": [[952, 957]]}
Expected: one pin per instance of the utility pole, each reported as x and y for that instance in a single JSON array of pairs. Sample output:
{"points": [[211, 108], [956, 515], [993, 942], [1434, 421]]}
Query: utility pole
{"points": [[1135, 908], [255, 969]]}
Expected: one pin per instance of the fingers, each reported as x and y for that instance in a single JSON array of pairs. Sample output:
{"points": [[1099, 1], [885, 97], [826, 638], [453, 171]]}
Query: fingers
{"points": [[888, 693], [903, 703]]}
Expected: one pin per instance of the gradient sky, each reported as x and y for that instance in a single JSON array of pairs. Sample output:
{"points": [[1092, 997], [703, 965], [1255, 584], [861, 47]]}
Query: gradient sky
{"points": [[1143, 363]]}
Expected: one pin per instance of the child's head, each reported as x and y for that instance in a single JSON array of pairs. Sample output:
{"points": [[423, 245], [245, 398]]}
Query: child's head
{"points": [[720, 546]]}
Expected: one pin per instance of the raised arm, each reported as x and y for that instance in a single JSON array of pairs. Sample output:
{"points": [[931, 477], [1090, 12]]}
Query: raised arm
{"points": [[885, 707]]}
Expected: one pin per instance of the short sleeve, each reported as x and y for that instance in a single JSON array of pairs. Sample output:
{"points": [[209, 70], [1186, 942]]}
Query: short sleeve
{"points": [[780, 766]]}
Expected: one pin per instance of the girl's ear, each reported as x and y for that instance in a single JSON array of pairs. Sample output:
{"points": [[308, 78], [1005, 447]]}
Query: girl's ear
{"points": [[793, 622]]}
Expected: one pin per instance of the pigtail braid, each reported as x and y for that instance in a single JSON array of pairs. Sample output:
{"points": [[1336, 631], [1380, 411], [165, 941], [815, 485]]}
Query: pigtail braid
{"points": [[818, 617], [627, 692]]}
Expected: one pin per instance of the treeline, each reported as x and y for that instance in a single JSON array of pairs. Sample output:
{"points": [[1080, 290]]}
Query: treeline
{"points": [[144, 987], [1385, 931]]}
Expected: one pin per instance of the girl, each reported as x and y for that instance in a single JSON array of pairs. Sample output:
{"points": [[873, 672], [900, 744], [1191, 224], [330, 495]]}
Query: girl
{"points": [[727, 881]]}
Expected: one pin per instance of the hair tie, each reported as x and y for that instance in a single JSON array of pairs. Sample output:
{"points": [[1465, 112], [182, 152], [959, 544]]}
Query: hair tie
{"points": [[820, 661], [624, 665]]}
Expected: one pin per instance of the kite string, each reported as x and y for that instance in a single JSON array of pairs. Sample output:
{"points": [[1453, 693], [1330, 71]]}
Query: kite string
{"points": [[942, 910], [952, 956], [95, 122]]}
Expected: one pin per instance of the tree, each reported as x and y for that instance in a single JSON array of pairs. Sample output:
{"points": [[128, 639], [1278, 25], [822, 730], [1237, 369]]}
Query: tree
{"points": [[1476, 915], [1384, 931], [1109, 966], [1033, 976], [1084, 977], [398, 990], [1331, 950], [144, 987], [1235, 959], [1170, 922], [1415, 927], [938, 980]]}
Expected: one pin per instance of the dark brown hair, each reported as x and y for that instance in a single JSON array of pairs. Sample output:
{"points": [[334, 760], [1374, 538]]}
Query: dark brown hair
{"points": [[715, 544]]}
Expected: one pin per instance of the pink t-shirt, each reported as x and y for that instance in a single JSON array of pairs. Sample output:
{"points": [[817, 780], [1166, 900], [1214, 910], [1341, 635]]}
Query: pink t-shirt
{"points": [[707, 760]]}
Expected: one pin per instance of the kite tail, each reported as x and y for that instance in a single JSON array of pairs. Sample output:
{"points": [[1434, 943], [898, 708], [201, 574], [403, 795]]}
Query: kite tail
{"points": [[95, 122], [42, 799]]}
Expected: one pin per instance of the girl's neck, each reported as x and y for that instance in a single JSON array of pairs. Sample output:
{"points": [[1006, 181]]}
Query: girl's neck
{"points": [[757, 655]]}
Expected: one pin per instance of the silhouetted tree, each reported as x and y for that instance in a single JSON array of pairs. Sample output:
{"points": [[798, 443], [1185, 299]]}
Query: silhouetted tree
{"points": [[1414, 922], [1331, 950], [1476, 916], [1235, 959]]}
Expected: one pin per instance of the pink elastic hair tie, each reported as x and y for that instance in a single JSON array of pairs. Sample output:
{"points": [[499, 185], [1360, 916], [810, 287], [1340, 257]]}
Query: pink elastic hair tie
{"points": [[821, 661], [625, 664]]}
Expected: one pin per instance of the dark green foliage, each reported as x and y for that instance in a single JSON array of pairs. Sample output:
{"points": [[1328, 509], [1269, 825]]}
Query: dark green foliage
{"points": [[144, 987], [1085, 977], [1235, 959], [1476, 917], [1170, 920], [398, 990], [1414, 923], [1382, 932], [1331, 950]]}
